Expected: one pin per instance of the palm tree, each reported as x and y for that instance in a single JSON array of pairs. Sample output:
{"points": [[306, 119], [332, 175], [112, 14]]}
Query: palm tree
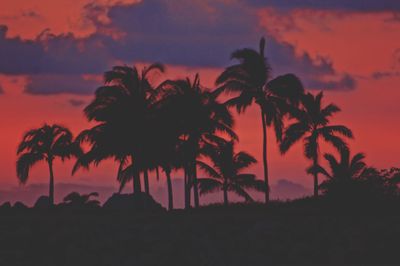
{"points": [[123, 107], [226, 173], [198, 116], [251, 80], [45, 144], [312, 123], [342, 171]]}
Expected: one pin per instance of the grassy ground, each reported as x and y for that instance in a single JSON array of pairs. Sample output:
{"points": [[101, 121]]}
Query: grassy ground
{"points": [[240, 235]]}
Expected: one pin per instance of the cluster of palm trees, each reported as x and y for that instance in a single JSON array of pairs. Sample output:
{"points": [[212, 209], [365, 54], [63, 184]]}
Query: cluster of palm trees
{"points": [[181, 125]]}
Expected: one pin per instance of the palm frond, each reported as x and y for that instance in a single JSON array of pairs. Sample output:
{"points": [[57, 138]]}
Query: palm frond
{"points": [[329, 110], [343, 130], [333, 163], [208, 185], [243, 160], [292, 134], [153, 67], [25, 162], [337, 142], [209, 170], [238, 190], [287, 87], [249, 181], [318, 169], [311, 146]]}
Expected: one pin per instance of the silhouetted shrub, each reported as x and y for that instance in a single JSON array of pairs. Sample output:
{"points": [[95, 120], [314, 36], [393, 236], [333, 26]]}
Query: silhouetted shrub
{"points": [[137, 202], [5, 206], [76, 200], [42, 202], [19, 206]]}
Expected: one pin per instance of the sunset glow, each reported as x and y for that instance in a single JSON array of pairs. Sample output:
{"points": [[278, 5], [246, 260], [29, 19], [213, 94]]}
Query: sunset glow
{"points": [[53, 53]]}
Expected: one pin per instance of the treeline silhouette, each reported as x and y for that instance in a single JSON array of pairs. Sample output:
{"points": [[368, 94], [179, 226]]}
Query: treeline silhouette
{"points": [[180, 125]]}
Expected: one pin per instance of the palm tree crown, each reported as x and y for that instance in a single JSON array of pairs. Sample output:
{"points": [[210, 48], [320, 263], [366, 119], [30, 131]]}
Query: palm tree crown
{"points": [[226, 173], [199, 118], [342, 171], [124, 108], [45, 144], [312, 123], [251, 80]]}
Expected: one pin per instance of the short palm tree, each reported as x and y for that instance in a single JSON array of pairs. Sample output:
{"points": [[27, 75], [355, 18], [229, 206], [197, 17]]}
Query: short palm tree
{"points": [[342, 171], [123, 107], [251, 79], [45, 144], [226, 172], [312, 123], [198, 116]]}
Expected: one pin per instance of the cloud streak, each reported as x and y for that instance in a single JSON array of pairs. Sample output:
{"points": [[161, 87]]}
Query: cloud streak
{"points": [[341, 5]]}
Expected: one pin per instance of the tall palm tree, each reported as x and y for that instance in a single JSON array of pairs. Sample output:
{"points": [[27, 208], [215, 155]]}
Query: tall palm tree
{"points": [[226, 173], [123, 107], [342, 171], [312, 123], [251, 79], [45, 144], [199, 117]]}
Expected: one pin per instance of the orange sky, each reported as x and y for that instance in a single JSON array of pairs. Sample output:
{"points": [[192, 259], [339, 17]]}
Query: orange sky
{"points": [[355, 43]]}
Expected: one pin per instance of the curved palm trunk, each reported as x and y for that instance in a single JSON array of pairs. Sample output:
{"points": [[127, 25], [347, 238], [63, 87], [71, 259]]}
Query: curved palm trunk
{"points": [[137, 187], [187, 188], [169, 186], [265, 162], [195, 186], [146, 182], [225, 189], [51, 184], [157, 174], [315, 163]]}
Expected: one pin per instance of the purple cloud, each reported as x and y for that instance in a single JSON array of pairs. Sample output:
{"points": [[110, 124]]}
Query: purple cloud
{"points": [[342, 5], [50, 54], [54, 84], [76, 102], [155, 30]]}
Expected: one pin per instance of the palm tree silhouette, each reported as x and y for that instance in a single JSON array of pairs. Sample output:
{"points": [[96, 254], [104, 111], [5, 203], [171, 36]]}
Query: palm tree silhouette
{"points": [[198, 117], [251, 79], [226, 173], [123, 107], [312, 122], [342, 171], [45, 144]]}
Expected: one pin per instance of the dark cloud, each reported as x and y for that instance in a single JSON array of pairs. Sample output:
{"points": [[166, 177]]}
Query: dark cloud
{"points": [[190, 33], [54, 84], [206, 34], [345, 5], [385, 74], [76, 102], [344, 82], [31, 14], [50, 54], [315, 74]]}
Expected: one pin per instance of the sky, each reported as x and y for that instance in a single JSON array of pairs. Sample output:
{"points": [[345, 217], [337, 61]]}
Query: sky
{"points": [[53, 53]]}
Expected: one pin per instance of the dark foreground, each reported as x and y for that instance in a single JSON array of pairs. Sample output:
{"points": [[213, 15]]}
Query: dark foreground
{"points": [[239, 235]]}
